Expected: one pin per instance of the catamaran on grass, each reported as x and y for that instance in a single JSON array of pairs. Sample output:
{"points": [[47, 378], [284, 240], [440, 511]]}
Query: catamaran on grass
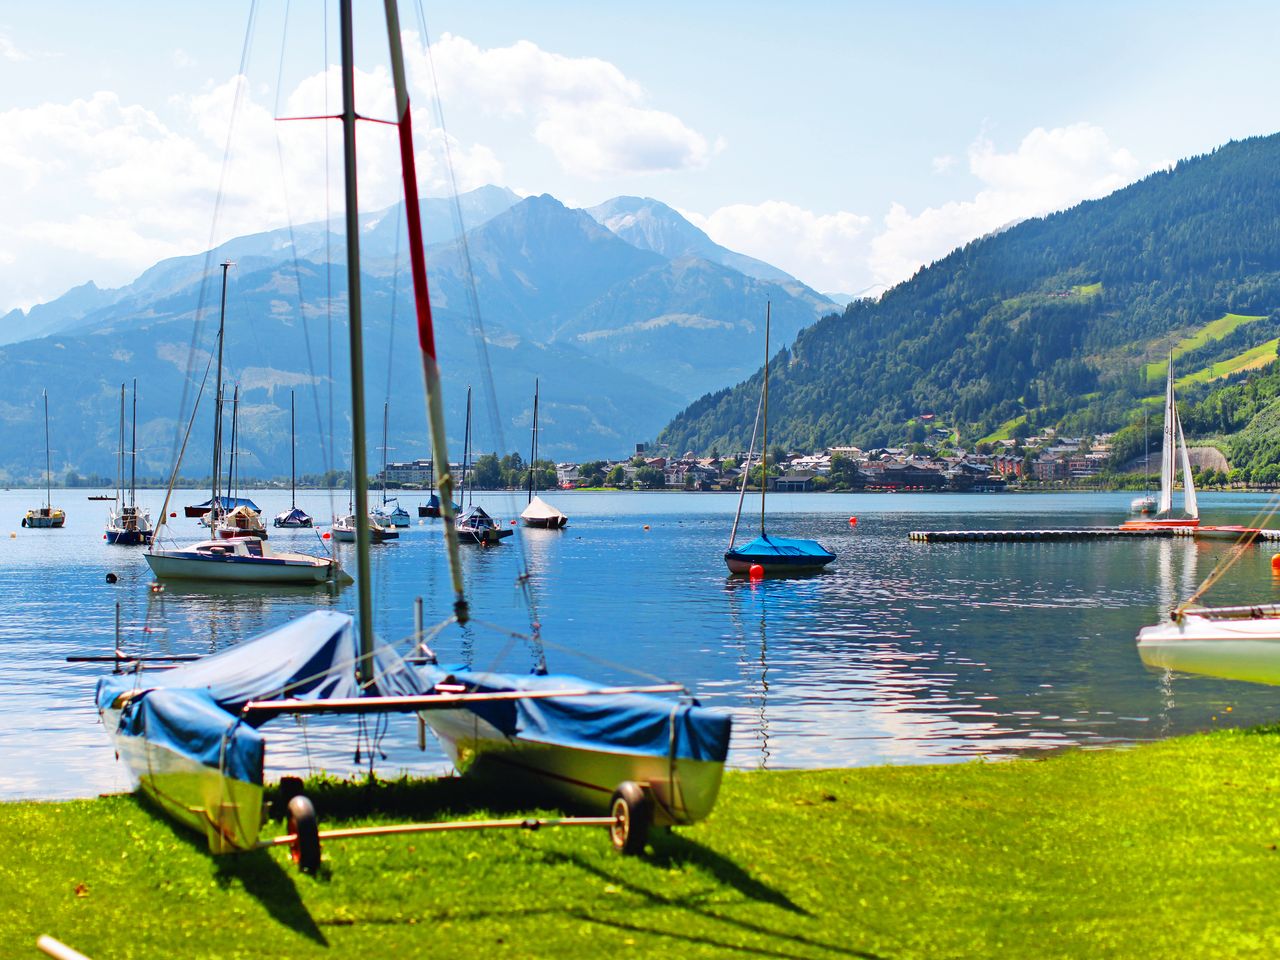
{"points": [[193, 736]]}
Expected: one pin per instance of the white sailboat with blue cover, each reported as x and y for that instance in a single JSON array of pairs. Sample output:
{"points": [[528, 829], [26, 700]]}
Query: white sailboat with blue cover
{"points": [[194, 736]]}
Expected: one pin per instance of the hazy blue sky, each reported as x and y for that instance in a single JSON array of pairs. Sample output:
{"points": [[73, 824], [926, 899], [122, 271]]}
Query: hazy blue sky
{"points": [[847, 143]]}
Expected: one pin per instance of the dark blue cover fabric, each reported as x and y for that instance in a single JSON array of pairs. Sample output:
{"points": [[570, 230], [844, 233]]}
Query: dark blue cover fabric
{"points": [[776, 548], [228, 504], [310, 658], [193, 710], [190, 723], [622, 723]]}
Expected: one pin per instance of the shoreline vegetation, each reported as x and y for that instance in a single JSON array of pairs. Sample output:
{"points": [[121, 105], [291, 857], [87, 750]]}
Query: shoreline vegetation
{"points": [[1112, 852]]}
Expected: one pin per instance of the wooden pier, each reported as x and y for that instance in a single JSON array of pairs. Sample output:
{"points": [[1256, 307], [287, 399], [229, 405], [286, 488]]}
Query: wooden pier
{"points": [[1222, 534]]}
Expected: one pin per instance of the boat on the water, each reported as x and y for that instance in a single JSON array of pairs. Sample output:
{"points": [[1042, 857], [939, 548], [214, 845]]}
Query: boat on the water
{"points": [[127, 523], [194, 736], [389, 514], [293, 517], [539, 513], [218, 504], [47, 516], [1174, 446], [237, 551], [344, 530], [1232, 643], [474, 525], [766, 555], [242, 560]]}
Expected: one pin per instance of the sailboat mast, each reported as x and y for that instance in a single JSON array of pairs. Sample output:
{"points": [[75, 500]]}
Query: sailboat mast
{"points": [[422, 309], [231, 460], [384, 453], [120, 456], [133, 447], [466, 446], [217, 402], [533, 444], [1169, 447], [293, 458], [764, 431], [48, 465], [359, 464]]}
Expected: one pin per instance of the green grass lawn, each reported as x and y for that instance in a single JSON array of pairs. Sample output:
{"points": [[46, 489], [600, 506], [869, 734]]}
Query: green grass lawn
{"points": [[1166, 850], [1214, 330]]}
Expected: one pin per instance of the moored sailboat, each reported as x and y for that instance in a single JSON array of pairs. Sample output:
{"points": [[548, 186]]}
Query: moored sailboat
{"points": [[293, 517], [1174, 447], [772, 555], [48, 516], [474, 525], [384, 515], [127, 523], [539, 513]]}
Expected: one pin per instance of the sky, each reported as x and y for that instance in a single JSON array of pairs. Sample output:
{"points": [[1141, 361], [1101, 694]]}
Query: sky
{"points": [[847, 143]]}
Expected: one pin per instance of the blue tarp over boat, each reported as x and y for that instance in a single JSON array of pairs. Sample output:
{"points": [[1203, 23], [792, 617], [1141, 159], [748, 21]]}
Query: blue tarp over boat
{"points": [[616, 722], [782, 552], [227, 504]]}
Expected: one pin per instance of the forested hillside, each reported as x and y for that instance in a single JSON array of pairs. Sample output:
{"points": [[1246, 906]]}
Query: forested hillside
{"points": [[1062, 320]]}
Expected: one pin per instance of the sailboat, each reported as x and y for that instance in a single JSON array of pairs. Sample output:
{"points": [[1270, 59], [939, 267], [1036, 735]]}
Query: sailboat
{"points": [[539, 513], [48, 516], [399, 517], [1174, 448], [475, 525], [126, 523], [432, 507], [1146, 503], [240, 520], [293, 517], [773, 555], [192, 735], [238, 552]]}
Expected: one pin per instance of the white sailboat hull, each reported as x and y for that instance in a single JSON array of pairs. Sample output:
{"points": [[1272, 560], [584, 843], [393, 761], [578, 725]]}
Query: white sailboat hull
{"points": [[1233, 648], [281, 568], [685, 790], [228, 811]]}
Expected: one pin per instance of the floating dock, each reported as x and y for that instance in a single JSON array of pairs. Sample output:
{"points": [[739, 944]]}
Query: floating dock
{"points": [[1224, 534]]}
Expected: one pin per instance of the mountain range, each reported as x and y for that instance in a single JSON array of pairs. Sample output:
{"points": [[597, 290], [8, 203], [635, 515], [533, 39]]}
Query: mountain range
{"points": [[625, 313], [1067, 321]]}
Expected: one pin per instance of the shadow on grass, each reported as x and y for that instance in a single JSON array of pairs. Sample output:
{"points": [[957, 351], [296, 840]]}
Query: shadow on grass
{"points": [[262, 877], [753, 889]]}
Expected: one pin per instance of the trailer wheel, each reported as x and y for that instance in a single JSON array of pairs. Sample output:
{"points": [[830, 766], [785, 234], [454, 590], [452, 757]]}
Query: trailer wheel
{"points": [[305, 849], [632, 812]]}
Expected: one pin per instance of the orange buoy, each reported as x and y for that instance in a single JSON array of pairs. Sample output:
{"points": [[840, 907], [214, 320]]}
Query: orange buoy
{"points": [[646, 526], [326, 535], [853, 521], [1275, 563], [756, 572]]}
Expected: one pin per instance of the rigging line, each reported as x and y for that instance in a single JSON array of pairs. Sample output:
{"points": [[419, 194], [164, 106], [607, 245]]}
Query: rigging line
{"points": [[395, 296], [297, 271], [236, 103], [746, 472], [473, 302], [328, 257], [1242, 544]]}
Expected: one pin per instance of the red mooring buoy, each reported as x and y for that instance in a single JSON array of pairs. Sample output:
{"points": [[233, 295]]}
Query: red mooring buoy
{"points": [[853, 521], [756, 572]]}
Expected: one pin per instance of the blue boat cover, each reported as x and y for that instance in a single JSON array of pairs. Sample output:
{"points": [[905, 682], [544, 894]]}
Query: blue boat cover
{"points": [[633, 723], [194, 710], [782, 548], [296, 514], [228, 503]]}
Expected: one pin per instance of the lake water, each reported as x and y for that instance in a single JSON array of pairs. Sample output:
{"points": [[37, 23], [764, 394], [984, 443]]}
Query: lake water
{"points": [[902, 652]]}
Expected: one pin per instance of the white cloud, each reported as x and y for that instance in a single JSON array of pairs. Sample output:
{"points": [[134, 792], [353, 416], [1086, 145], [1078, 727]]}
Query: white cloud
{"points": [[1050, 170], [593, 119], [9, 50], [944, 163], [826, 251], [182, 59], [99, 189]]}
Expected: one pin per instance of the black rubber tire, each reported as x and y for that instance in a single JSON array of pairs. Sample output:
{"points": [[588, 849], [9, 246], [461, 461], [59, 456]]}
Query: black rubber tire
{"points": [[289, 788], [632, 812], [305, 849]]}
